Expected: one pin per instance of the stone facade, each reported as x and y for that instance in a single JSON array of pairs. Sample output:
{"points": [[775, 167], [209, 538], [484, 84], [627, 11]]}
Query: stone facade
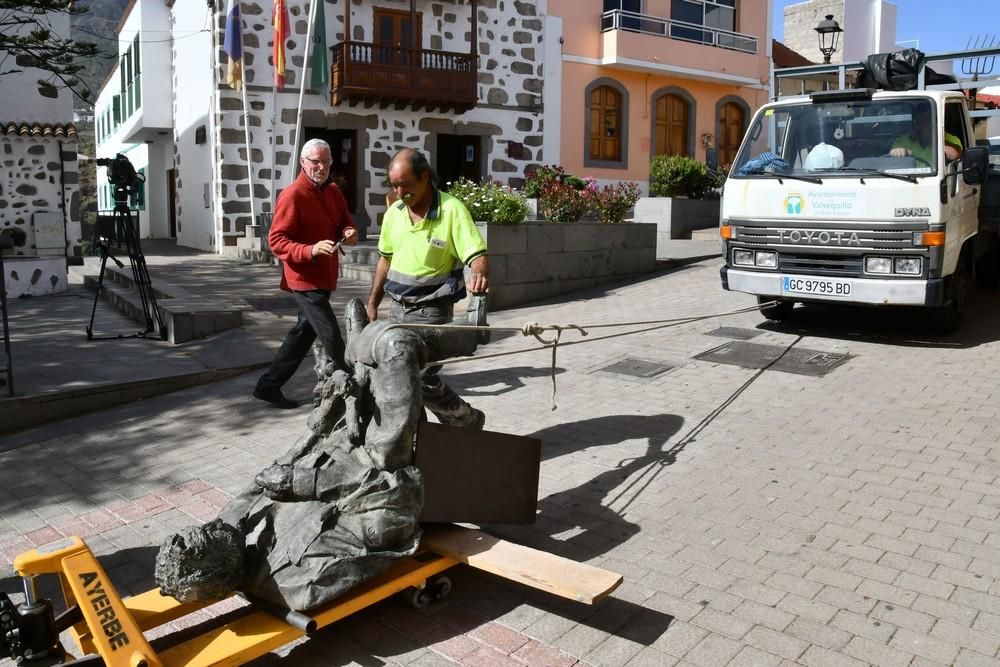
{"points": [[508, 112]]}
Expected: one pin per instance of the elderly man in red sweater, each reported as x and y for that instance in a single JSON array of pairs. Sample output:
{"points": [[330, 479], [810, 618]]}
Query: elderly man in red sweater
{"points": [[310, 218]]}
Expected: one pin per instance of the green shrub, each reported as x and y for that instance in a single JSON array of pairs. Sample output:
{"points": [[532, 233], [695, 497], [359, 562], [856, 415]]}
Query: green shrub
{"points": [[612, 202], [490, 202], [679, 176], [575, 182], [559, 202]]}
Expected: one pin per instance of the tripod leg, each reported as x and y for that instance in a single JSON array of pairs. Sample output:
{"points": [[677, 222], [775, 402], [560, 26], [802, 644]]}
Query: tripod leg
{"points": [[140, 273], [97, 295]]}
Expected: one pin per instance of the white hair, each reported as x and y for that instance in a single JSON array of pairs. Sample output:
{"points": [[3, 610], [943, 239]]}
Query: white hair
{"points": [[313, 144]]}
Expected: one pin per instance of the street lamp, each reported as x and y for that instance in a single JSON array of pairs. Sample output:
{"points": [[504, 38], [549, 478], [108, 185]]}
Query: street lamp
{"points": [[829, 32]]}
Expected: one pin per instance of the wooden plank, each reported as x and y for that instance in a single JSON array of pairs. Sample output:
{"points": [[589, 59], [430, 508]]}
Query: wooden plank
{"points": [[538, 569]]}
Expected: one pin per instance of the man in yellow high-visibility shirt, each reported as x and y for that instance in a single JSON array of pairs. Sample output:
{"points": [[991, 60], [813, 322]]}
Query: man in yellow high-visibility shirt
{"points": [[427, 239], [918, 143]]}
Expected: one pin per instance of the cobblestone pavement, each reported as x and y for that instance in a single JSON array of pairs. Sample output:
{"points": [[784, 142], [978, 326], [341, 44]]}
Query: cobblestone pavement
{"points": [[759, 516]]}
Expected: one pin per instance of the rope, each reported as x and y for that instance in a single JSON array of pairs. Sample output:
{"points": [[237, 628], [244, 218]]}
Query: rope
{"points": [[536, 330]]}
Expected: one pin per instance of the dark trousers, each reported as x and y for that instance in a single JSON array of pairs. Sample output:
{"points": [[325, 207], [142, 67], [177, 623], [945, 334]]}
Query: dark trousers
{"points": [[316, 320], [437, 396]]}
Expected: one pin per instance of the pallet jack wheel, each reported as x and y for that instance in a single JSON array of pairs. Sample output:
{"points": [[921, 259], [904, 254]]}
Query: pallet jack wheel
{"points": [[433, 590], [418, 598], [440, 588]]}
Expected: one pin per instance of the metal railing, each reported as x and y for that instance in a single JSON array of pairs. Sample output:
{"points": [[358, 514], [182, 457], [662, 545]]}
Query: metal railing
{"points": [[619, 19], [843, 70]]}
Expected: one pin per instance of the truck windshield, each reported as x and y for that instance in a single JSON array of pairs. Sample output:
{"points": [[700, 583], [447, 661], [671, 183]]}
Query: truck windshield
{"points": [[874, 137]]}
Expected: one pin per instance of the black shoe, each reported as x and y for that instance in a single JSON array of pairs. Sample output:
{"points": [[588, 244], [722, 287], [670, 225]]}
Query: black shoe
{"points": [[275, 398]]}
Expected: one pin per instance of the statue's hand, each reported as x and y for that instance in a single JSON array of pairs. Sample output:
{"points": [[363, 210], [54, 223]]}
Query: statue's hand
{"points": [[276, 482]]}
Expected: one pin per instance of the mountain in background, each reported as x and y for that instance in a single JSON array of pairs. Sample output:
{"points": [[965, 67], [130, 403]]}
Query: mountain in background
{"points": [[97, 25]]}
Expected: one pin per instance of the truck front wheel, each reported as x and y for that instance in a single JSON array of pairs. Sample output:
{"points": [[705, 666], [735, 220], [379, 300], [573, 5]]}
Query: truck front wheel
{"points": [[774, 308], [947, 318], [988, 269]]}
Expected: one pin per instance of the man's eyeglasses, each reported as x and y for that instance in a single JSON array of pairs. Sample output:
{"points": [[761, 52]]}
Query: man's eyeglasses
{"points": [[314, 162]]}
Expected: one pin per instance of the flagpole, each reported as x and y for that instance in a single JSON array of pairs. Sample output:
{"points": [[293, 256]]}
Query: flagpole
{"points": [[302, 83], [246, 123], [274, 143]]}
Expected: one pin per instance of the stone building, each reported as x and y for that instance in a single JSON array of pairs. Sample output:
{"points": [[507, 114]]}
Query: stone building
{"points": [[869, 27], [38, 181], [390, 86]]}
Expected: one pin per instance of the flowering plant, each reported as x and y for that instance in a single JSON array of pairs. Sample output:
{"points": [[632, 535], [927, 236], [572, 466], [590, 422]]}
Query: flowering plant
{"points": [[612, 202], [560, 202], [540, 177], [490, 201]]}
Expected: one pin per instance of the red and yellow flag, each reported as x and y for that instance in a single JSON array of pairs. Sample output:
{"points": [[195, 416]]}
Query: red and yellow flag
{"points": [[279, 19]]}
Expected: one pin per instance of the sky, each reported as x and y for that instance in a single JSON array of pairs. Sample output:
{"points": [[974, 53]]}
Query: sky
{"points": [[939, 25]]}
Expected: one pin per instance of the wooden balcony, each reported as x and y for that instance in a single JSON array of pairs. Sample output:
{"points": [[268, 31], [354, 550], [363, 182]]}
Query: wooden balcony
{"points": [[401, 76]]}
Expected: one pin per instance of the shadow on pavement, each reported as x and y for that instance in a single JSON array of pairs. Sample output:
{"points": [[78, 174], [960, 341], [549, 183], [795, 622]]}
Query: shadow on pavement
{"points": [[496, 382], [905, 327], [392, 633]]}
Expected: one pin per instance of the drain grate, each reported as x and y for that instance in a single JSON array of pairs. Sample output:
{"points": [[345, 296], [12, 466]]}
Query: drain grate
{"points": [[735, 333], [637, 368], [799, 361]]}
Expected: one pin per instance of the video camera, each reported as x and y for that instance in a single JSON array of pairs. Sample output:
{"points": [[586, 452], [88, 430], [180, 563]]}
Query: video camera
{"points": [[122, 175]]}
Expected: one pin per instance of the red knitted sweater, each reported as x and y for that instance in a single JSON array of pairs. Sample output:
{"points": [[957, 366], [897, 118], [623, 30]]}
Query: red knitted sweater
{"points": [[305, 214]]}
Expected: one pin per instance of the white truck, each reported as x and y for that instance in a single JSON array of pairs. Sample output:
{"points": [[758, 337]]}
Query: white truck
{"points": [[833, 198]]}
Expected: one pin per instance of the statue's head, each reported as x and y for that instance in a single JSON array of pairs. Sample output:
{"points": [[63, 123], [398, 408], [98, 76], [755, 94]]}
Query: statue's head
{"points": [[204, 562]]}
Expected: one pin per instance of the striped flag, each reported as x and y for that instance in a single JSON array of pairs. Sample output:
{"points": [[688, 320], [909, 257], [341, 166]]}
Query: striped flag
{"points": [[279, 19], [320, 64], [234, 45]]}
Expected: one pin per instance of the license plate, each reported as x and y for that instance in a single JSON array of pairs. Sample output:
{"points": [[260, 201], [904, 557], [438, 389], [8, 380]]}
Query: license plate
{"points": [[818, 286]]}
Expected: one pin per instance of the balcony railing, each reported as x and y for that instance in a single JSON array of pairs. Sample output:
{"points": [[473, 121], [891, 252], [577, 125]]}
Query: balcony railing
{"points": [[424, 78], [618, 19]]}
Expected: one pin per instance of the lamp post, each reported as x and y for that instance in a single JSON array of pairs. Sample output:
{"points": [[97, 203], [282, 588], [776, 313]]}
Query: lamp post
{"points": [[829, 33]]}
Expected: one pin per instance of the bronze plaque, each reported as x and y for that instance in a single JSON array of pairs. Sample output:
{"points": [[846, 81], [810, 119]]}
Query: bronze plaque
{"points": [[477, 476]]}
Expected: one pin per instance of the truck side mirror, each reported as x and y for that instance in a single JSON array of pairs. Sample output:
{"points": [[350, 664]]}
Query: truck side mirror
{"points": [[974, 163]]}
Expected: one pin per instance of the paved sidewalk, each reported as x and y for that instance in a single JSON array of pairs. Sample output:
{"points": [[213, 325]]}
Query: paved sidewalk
{"points": [[760, 517]]}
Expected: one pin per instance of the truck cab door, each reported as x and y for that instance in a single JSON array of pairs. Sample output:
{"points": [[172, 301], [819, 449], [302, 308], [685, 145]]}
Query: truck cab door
{"points": [[959, 200]]}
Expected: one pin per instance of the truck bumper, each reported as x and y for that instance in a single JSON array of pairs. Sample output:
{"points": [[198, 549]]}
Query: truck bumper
{"points": [[874, 291]]}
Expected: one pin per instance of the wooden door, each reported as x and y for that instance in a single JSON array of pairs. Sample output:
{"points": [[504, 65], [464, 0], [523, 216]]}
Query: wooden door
{"points": [[459, 156], [731, 124], [394, 37], [172, 202], [671, 125]]}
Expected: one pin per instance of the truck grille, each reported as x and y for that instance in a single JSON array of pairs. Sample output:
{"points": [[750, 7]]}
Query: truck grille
{"points": [[826, 237], [819, 265]]}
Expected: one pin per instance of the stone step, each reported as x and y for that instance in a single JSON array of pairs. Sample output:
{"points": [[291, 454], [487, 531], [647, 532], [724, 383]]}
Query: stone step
{"points": [[709, 234], [362, 272], [362, 253], [250, 243], [185, 315], [253, 231]]}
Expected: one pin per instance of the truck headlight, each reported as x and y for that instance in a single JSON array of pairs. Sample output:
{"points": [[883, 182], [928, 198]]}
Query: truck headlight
{"points": [[743, 257], [878, 265], [767, 260], [910, 266]]}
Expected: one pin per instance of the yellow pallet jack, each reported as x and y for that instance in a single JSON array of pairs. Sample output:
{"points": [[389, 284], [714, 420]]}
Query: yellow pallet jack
{"points": [[108, 629]]}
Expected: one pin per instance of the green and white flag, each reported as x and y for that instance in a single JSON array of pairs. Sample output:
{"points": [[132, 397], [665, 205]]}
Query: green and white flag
{"points": [[320, 61]]}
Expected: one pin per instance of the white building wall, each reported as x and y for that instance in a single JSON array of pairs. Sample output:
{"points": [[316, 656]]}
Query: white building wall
{"points": [[193, 79], [552, 93]]}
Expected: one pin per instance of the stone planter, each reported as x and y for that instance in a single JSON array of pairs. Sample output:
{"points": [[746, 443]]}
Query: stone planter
{"points": [[537, 260], [676, 217]]}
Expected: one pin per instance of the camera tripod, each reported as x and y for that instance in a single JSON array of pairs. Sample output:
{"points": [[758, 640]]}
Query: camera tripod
{"points": [[126, 228]]}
